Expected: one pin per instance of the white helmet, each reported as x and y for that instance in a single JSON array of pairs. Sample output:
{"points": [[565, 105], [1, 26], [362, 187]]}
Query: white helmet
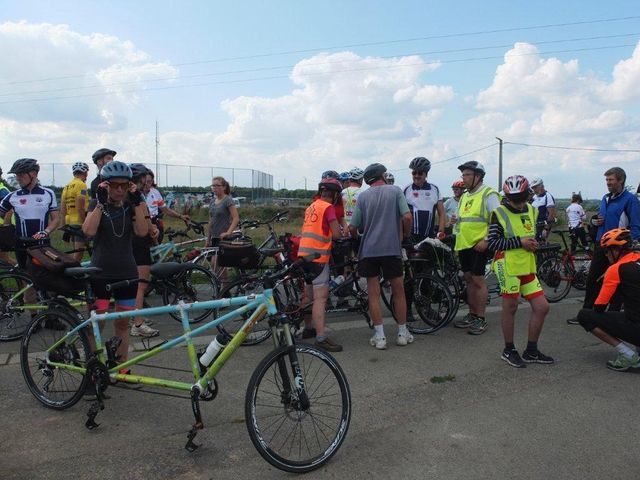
{"points": [[356, 174], [389, 178], [80, 167], [535, 182]]}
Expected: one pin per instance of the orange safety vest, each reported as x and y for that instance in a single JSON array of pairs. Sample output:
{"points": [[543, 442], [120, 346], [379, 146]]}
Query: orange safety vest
{"points": [[312, 238]]}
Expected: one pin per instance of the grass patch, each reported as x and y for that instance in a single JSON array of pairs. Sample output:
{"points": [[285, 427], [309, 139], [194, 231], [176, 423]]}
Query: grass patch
{"points": [[443, 379]]}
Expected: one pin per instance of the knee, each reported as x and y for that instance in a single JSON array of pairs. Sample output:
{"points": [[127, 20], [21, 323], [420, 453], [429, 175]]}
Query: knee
{"points": [[585, 319]]}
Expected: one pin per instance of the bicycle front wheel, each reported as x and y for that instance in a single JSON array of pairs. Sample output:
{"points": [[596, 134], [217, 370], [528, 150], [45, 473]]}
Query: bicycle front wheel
{"points": [[430, 305], [54, 387], [298, 408], [555, 278], [195, 284], [14, 320]]}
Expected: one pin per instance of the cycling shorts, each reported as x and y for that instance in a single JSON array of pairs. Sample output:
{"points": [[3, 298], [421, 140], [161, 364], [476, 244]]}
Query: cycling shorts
{"points": [[316, 274], [512, 286]]}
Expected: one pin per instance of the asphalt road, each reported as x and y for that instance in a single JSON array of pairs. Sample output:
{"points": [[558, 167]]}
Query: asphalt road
{"points": [[571, 420]]}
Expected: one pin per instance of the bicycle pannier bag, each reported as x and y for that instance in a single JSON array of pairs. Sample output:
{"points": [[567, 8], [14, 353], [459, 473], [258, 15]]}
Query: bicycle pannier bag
{"points": [[7, 237], [240, 254]]}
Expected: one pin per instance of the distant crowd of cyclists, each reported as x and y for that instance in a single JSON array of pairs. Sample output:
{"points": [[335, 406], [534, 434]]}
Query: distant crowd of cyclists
{"points": [[122, 213]]}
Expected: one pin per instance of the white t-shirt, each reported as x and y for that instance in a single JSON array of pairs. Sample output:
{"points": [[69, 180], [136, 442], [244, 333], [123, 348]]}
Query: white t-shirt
{"points": [[154, 201], [575, 215], [349, 200]]}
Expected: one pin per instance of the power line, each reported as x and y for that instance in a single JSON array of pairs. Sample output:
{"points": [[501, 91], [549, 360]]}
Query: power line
{"points": [[262, 69], [367, 44], [454, 158], [275, 77], [612, 150]]}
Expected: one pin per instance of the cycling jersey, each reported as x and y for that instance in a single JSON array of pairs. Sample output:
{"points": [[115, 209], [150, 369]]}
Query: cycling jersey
{"points": [[31, 209], [154, 201], [349, 199], [623, 277], [422, 202], [543, 203], [575, 215], [74, 190]]}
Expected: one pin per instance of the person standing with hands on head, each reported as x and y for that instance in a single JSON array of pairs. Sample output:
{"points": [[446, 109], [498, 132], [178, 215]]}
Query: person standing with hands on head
{"points": [[546, 205], [116, 214], [424, 200], [474, 216], [512, 238], [618, 209], [100, 157], [383, 219]]}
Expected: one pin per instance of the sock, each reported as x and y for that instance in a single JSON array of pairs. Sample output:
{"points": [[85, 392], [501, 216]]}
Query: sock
{"points": [[623, 349], [402, 329], [509, 346], [532, 347], [321, 338], [379, 331]]}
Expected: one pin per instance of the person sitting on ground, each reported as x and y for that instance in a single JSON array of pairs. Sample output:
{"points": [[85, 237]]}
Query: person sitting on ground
{"points": [[512, 237], [319, 229], [575, 220], [621, 278]]}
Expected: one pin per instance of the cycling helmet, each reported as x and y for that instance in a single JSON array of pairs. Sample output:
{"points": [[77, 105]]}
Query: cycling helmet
{"points": [[356, 174], [138, 169], [536, 181], [115, 169], [618, 237], [331, 184], [344, 176], [420, 164], [477, 167], [80, 167], [25, 165], [515, 185], [374, 172], [101, 153], [458, 184], [389, 178], [330, 174]]}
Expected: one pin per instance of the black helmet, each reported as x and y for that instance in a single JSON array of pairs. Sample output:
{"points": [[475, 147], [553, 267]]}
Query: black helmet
{"points": [[330, 174], [25, 165], [115, 169], [138, 170], [101, 153], [374, 172], [420, 164], [477, 167], [330, 184]]}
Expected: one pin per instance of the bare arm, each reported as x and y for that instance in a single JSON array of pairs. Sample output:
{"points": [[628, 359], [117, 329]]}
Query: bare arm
{"points": [[442, 216], [141, 223], [92, 221], [407, 220], [235, 220], [172, 213], [63, 212], [54, 218], [336, 231], [80, 208]]}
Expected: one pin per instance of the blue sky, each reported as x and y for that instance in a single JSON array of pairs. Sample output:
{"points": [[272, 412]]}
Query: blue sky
{"points": [[327, 107]]}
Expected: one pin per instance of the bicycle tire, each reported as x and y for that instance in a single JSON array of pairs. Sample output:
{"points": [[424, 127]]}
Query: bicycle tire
{"points": [[13, 323], [194, 284], [274, 388], [555, 278], [53, 387]]}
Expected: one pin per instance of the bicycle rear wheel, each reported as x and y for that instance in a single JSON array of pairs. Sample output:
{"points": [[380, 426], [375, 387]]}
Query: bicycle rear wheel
{"points": [[298, 408], [14, 321], [54, 387], [196, 284], [555, 278]]}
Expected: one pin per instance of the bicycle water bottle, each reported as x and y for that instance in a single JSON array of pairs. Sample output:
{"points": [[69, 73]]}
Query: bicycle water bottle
{"points": [[335, 282], [212, 351]]}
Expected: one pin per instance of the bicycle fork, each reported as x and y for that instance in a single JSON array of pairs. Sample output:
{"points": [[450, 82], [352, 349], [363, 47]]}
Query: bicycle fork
{"points": [[300, 401]]}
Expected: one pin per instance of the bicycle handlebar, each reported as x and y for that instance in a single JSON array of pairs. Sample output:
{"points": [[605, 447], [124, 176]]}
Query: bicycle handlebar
{"points": [[111, 287]]}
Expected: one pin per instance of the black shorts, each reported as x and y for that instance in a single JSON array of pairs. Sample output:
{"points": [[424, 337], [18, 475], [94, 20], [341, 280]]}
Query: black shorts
{"points": [[141, 251], [316, 274], [388, 267], [616, 324], [472, 261], [99, 287]]}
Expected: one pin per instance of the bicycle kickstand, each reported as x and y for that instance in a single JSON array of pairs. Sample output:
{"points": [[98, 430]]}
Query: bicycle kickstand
{"points": [[96, 406], [198, 425]]}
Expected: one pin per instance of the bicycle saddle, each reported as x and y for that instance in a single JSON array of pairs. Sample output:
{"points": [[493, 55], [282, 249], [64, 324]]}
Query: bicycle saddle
{"points": [[168, 269], [270, 252], [81, 272]]}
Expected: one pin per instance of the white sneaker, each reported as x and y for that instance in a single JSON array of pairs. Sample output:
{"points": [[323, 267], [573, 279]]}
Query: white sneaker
{"points": [[145, 320], [404, 339], [379, 342], [143, 331]]}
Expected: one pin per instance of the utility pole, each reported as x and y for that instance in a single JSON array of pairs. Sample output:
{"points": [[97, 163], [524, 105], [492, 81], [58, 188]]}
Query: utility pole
{"points": [[499, 163], [305, 183], [157, 143]]}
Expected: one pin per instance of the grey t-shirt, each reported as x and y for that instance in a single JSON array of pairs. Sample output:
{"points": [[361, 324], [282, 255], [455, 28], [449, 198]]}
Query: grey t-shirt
{"points": [[112, 245], [377, 215], [219, 216]]}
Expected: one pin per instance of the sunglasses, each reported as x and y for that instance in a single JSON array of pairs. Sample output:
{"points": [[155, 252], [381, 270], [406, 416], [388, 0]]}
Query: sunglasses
{"points": [[416, 173], [119, 186]]}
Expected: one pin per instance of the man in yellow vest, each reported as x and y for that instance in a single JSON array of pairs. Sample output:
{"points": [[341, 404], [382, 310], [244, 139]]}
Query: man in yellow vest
{"points": [[319, 228], [474, 216], [512, 236]]}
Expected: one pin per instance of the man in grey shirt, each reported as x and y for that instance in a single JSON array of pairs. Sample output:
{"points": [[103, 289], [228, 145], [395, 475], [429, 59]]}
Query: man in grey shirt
{"points": [[383, 219]]}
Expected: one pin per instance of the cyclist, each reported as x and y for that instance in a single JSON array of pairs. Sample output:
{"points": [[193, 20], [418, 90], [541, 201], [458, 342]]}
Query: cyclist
{"points": [[140, 326], [389, 178], [157, 207], [512, 238], [344, 179], [575, 220], [451, 205], [424, 200], [621, 278], [474, 214], [546, 205], [35, 207], [100, 157], [73, 205], [350, 194], [383, 219], [4, 190], [115, 216], [319, 229], [618, 209]]}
